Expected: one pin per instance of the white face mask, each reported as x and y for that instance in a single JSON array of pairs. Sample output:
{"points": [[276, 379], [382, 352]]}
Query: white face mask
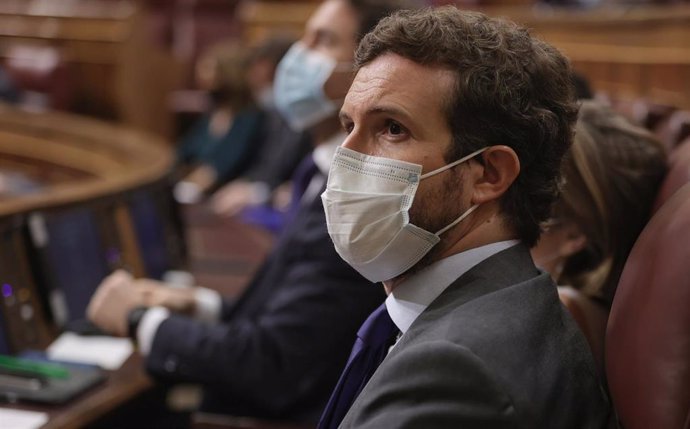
{"points": [[298, 92], [367, 200]]}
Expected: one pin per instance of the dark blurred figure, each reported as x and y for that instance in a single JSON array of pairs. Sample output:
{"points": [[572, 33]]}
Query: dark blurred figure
{"points": [[224, 140], [8, 90], [258, 194], [582, 88]]}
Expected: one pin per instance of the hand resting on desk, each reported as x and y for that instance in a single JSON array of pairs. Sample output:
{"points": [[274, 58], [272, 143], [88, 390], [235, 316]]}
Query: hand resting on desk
{"points": [[115, 297], [120, 293]]}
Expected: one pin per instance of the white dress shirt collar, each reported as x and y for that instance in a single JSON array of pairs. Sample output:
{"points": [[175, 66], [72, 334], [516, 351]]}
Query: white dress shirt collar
{"points": [[410, 298], [323, 153]]}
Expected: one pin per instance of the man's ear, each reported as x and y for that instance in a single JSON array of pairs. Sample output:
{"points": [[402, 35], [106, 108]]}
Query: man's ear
{"points": [[500, 169]]}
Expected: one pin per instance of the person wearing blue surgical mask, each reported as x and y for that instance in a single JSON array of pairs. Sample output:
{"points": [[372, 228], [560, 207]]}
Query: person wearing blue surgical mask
{"points": [[255, 197], [311, 82], [277, 351]]}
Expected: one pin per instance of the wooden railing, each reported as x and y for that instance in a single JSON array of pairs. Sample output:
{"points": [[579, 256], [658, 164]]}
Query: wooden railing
{"points": [[633, 52], [261, 18], [99, 200], [106, 159], [626, 51]]}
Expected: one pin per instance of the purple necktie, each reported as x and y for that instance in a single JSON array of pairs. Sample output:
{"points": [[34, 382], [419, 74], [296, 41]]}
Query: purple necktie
{"points": [[304, 172], [373, 341]]}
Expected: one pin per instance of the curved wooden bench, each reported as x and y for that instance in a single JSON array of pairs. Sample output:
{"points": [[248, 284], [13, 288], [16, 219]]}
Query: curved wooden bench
{"points": [[89, 159]]}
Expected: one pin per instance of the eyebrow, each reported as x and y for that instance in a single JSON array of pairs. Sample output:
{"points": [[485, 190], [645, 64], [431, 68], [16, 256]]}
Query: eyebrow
{"points": [[377, 110], [392, 111]]}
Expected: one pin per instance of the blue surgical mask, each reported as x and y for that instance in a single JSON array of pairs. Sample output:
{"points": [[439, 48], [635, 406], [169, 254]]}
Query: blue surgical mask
{"points": [[298, 91]]}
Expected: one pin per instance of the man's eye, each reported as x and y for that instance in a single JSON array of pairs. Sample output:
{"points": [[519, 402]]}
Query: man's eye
{"points": [[395, 128]]}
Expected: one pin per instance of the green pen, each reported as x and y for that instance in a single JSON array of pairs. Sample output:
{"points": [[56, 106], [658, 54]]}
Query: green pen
{"points": [[50, 370]]}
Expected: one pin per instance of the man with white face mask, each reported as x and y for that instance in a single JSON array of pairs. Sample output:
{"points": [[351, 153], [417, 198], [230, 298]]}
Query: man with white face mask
{"points": [[456, 124], [276, 352]]}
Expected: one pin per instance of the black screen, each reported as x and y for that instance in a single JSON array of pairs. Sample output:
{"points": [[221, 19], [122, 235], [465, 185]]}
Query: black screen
{"points": [[149, 225], [4, 342], [75, 258]]}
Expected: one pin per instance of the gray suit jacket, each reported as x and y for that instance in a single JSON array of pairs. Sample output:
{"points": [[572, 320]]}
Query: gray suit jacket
{"points": [[495, 350]]}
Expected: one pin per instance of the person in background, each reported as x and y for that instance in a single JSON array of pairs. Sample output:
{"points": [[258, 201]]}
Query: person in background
{"points": [[457, 125], [225, 139], [583, 88], [261, 194], [8, 90], [611, 178], [277, 351]]}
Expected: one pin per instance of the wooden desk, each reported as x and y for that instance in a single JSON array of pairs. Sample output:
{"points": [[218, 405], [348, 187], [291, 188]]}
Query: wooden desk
{"points": [[119, 387]]}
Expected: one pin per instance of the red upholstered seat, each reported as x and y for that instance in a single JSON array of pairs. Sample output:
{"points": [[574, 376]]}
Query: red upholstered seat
{"points": [[648, 333]]}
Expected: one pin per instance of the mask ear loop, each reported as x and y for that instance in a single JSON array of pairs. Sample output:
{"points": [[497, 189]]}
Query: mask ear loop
{"points": [[444, 168], [458, 220], [453, 164]]}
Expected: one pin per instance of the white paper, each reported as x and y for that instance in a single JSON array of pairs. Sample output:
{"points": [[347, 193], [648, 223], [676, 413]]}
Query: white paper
{"points": [[107, 352], [18, 419]]}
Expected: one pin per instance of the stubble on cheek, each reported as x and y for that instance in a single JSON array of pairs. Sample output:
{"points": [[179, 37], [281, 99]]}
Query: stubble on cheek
{"points": [[435, 209]]}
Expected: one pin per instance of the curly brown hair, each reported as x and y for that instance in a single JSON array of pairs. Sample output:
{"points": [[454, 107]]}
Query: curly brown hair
{"points": [[511, 89]]}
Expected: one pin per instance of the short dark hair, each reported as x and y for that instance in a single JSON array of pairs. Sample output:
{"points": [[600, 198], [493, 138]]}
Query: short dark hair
{"points": [[370, 12], [510, 89], [271, 49]]}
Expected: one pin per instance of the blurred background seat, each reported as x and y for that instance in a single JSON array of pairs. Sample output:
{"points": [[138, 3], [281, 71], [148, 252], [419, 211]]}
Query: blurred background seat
{"points": [[648, 333], [42, 74], [678, 172]]}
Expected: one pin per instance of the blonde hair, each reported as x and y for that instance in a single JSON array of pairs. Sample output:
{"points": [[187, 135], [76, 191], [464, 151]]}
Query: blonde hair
{"points": [[612, 174]]}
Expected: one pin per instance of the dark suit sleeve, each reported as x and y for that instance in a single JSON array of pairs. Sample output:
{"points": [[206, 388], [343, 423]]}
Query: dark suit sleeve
{"points": [[226, 307], [280, 154], [432, 385], [293, 342]]}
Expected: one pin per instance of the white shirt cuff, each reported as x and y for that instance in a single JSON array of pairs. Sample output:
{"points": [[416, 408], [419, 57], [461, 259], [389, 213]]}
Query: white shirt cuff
{"points": [[146, 331], [261, 193], [208, 305]]}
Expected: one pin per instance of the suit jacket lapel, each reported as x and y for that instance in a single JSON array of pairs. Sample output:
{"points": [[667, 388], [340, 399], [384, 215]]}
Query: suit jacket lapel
{"points": [[506, 268]]}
